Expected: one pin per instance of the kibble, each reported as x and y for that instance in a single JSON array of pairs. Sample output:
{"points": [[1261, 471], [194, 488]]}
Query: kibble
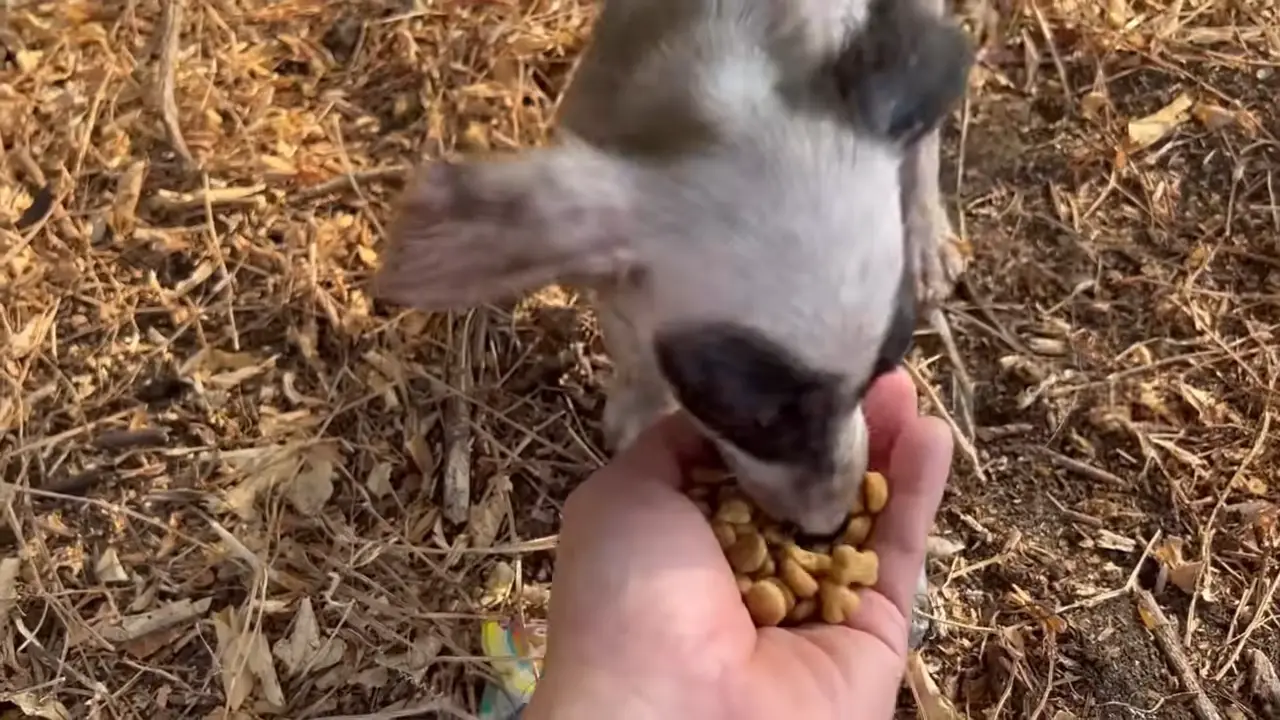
{"points": [[781, 582], [766, 604]]}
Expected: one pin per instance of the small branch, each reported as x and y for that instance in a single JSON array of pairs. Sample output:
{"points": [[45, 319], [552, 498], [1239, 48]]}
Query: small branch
{"points": [[961, 440], [351, 180], [1083, 468], [170, 32], [457, 428], [1167, 639]]}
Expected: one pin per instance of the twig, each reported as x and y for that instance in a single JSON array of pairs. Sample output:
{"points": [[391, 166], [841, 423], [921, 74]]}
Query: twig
{"points": [[1067, 92], [350, 180], [1264, 684], [207, 197], [1129, 585], [938, 321], [457, 429], [1166, 637], [1083, 468], [1259, 617], [170, 31], [1206, 542], [961, 440]]}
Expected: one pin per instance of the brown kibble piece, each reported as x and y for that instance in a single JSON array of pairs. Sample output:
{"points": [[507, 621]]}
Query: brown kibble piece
{"points": [[766, 603], [787, 595], [797, 578], [735, 511], [744, 583], [854, 567], [725, 534], [838, 602], [810, 561], [875, 490], [748, 552], [803, 610], [768, 569], [858, 530]]}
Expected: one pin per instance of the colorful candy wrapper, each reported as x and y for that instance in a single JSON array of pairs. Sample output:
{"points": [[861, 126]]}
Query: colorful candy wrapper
{"points": [[517, 649]]}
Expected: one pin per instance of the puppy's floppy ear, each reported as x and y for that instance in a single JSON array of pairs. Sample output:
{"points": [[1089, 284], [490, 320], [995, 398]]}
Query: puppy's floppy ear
{"points": [[487, 230], [902, 72]]}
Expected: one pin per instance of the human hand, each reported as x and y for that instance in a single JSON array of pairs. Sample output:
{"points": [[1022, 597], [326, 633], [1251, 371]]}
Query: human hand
{"points": [[646, 620]]}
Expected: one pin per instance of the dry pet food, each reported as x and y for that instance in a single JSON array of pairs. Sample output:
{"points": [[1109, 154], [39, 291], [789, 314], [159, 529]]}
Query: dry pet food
{"points": [[781, 582]]}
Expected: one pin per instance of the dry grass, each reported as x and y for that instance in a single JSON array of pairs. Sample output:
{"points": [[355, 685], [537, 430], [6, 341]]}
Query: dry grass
{"points": [[232, 482]]}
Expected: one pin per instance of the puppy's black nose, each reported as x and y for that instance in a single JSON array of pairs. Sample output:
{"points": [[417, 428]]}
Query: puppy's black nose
{"points": [[804, 538]]}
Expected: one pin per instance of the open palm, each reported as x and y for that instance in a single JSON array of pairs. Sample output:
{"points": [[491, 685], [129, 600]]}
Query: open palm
{"points": [[647, 621]]}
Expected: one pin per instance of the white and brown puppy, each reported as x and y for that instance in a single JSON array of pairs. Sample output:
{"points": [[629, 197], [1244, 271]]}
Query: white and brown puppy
{"points": [[748, 187]]}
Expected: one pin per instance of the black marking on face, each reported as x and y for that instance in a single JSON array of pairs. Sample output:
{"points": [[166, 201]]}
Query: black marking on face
{"points": [[903, 71], [755, 394], [900, 334]]}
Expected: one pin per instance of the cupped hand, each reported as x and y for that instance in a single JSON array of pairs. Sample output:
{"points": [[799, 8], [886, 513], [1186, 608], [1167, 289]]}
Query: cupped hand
{"points": [[646, 620]]}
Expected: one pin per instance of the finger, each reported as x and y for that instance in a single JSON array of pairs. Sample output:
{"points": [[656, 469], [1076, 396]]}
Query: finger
{"points": [[890, 404], [917, 475], [664, 452]]}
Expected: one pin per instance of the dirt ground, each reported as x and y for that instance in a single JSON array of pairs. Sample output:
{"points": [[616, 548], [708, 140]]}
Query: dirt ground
{"points": [[233, 484]]}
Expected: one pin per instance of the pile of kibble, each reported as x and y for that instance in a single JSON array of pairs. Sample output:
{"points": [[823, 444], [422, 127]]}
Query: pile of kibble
{"points": [[783, 583]]}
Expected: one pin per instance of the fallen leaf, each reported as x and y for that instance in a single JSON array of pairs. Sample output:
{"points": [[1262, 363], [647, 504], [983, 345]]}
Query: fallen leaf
{"points": [[124, 207], [108, 568], [305, 649], [939, 547], [244, 661], [1111, 541], [37, 706], [930, 701], [27, 340], [273, 424], [415, 662], [498, 584], [1118, 13], [148, 645], [373, 678], [1213, 117], [130, 627], [1186, 575], [485, 517], [1146, 131], [1176, 568], [312, 487], [379, 481], [420, 451], [9, 568], [28, 60], [263, 468]]}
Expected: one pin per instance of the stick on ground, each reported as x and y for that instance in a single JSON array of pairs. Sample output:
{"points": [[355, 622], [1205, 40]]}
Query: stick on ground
{"points": [[457, 431], [1167, 639], [170, 32]]}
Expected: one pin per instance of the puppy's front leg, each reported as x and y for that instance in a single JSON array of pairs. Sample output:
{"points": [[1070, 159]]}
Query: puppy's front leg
{"points": [[636, 394], [931, 242]]}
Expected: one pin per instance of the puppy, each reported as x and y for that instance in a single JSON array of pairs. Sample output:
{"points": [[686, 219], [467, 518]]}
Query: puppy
{"points": [[748, 188]]}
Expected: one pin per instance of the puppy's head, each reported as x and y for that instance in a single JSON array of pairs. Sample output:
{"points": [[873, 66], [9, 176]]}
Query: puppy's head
{"points": [[729, 170]]}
